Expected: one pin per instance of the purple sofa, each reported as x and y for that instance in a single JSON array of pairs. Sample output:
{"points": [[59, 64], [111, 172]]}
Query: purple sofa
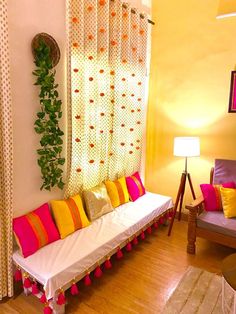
{"points": [[212, 225]]}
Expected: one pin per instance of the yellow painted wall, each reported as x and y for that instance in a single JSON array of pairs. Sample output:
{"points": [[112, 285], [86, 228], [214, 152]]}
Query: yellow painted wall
{"points": [[193, 54]]}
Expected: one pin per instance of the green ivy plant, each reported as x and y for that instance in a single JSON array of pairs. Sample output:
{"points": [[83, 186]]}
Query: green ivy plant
{"points": [[47, 122]]}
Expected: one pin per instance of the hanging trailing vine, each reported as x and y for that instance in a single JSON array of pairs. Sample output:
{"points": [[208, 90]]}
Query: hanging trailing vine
{"points": [[47, 122]]}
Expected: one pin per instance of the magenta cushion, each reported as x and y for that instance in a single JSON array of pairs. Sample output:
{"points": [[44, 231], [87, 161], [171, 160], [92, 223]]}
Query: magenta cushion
{"points": [[212, 197], [35, 230], [135, 186]]}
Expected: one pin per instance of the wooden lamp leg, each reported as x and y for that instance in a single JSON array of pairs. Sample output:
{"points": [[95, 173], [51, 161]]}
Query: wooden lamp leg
{"points": [[178, 198]]}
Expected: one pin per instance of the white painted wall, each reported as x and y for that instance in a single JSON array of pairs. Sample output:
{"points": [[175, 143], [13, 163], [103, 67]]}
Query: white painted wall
{"points": [[26, 19]]}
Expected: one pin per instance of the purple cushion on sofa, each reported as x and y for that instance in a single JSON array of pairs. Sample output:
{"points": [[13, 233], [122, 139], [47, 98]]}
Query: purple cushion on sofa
{"points": [[215, 221], [224, 171]]}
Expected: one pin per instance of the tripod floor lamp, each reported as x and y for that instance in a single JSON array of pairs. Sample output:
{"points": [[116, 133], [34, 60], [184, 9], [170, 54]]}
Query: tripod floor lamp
{"points": [[184, 147]]}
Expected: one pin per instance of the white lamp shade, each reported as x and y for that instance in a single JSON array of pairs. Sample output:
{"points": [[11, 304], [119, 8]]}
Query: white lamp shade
{"points": [[226, 8], [186, 146]]}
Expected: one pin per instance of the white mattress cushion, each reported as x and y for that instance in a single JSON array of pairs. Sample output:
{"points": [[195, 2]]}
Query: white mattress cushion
{"points": [[58, 263]]}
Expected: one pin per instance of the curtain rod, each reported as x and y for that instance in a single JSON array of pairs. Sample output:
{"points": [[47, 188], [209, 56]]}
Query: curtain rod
{"points": [[134, 12]]}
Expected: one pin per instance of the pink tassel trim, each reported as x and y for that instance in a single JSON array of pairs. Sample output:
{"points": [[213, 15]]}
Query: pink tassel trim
{"points": [[128, 247], [18, 275], [35, 289], [43, 298], [47, 310], [135, 241], [108, 264], [161, 220], [61, 299], [87, 280], [74, 289], [98, 272], [142, 235], [119, 254], [27, 283], [149, 230], [155, 225]]}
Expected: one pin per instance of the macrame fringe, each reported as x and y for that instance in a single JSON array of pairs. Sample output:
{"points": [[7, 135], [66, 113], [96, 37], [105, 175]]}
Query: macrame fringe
{"points": [[18, 275], [98, 272], [119, 254], [108, 264], [87, 280], [27, 283], [35, 289], [61, 299], [74, 289]]}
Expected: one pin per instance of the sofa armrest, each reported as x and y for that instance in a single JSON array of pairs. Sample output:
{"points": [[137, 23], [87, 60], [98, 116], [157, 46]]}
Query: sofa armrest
{"points": [[195, 208], [196, 205]]}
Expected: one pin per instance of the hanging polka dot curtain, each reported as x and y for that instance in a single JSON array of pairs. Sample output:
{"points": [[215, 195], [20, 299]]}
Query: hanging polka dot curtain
{"points": [[107, 66]]}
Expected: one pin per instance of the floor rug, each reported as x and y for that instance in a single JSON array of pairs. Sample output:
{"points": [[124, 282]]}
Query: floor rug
{"points": [[198, 292]]}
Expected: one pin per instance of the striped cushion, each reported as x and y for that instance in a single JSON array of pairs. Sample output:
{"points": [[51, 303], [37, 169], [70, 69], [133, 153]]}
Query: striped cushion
{"points": [[117, 191], [35, 230], [69, 215], [135, 186], [212, 196]]}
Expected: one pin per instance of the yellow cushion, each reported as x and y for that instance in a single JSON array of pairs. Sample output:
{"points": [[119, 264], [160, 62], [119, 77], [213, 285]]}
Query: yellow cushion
{"points": [[228, 197], [69, 215], [117, 191]]}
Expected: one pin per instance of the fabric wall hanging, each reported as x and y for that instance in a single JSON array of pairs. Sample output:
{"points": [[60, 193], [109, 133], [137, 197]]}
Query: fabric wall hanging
{"points": [[106, 74], [6, 160]]}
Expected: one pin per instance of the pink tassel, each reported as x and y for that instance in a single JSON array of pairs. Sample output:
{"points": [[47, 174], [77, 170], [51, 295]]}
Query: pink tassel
{"points": [[161, 220], [171, 213], [128, 247], [43, 298], [74, 289], [135, 241], [119, 254], [142, 236], [47, 310], [155, 225], [61, 300], [87, 280], [167, 215], [108, 264], [98, 272], [27, 283], [149, 230], [18, 275], [35, 289]]}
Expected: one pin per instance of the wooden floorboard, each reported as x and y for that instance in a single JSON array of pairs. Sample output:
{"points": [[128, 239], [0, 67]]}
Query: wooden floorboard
{"points": [[139, 283]]}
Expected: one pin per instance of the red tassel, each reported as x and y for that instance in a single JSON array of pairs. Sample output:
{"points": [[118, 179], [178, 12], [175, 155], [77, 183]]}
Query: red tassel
{"points": [[166, 215], [119, 254], [27, 283], [155, 225], [98, 272], [74, 289], [108, 264], [128, 247], [161, 220], [61, 300], [87, 280], [43, 298], [47, 310], [149, 230], [171, 213], [18, 275], [135, 241], [142, 236], [35, 289]]}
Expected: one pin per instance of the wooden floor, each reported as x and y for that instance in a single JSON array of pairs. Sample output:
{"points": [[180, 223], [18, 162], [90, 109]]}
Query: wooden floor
{"points": [[139, 283]]}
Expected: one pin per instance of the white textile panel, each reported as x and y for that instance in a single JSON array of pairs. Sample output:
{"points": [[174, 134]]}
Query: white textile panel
{"points": [[107, 47]]}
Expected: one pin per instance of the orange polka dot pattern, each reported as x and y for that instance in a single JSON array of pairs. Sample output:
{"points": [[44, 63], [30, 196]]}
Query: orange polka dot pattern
{"points": [[106, 71], [6, 161]]}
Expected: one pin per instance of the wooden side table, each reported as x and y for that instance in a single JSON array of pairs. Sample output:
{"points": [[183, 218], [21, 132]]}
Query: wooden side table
{"points": [[229, 278]]}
